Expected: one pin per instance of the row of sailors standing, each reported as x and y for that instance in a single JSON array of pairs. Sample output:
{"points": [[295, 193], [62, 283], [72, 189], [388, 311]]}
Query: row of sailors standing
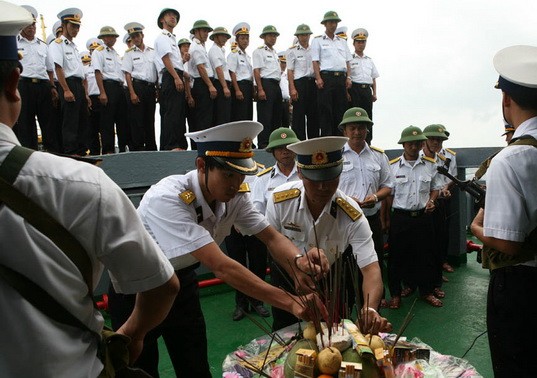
{"points": [[219, 89]]}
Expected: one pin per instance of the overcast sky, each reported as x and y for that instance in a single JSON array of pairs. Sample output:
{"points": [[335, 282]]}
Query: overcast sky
{"points": [[434, 56]]}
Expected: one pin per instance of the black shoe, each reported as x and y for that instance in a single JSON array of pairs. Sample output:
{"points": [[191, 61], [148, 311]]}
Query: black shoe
{"points": [[261, 311], [239, 313]]}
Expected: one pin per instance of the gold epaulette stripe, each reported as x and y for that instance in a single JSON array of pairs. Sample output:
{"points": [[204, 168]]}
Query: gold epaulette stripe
{"points": [[286, 195], [187, 196], [244, 188], [451, 151], [431, 160], [377, 149], [393, 161], [442, 157], [58, 40], [350, 210], [265, 171]]}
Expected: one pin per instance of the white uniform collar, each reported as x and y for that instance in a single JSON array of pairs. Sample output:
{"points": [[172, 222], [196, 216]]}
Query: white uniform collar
{"points": [[220, 207], [7, 135], [528, 127], [279, 172]]}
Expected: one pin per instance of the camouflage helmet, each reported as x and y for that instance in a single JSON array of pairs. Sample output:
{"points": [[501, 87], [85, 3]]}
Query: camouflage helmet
{"points": [[281, 137], [355, 115], [411, 134], [435, 131]]}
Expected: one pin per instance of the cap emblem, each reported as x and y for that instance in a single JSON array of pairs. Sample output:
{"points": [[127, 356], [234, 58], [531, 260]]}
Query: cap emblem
{"points": [[414, 132], [246, 145], [358, 114], [283, 135], [319, 157]]}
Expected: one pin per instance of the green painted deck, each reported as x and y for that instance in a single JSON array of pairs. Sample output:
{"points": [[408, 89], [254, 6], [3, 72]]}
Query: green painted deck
{"points": [[449, 330]]}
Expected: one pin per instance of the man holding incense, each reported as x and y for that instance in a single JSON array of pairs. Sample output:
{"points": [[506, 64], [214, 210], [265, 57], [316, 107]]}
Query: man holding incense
{"points": [[312, 212]]}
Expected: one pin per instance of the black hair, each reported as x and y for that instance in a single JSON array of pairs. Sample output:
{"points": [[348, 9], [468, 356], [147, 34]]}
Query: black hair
{"points": [[6, 67]]}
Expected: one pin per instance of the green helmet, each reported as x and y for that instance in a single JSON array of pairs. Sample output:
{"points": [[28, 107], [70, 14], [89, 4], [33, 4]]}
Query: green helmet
{"points": [[183, 41], [411, 134], [330, 16], [281, 137], [269, 29], [303, 29], [163, 12], [219, 30], [200, 24], [355, 115], [435, 131]]}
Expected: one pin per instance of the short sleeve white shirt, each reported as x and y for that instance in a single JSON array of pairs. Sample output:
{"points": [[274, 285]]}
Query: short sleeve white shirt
{"points": [[266, 60], [217, 57], [65, 54], [332, 54], [264, 185], [166, 44], [335, 229], [198, 55], [34, 58], [299, 61], [364, 174], [240, 63], [107, 61], [140, 64], [363, 70], [180, 228]]}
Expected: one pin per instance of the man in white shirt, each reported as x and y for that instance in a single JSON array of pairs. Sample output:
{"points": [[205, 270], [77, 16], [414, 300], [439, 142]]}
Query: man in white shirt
{"points": [[509, 221], [189, 216], [222, 82], [87, 203]]}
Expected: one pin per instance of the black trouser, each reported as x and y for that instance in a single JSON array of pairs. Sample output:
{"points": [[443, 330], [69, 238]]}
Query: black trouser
{"points": [[362, 97], [114, 113], [222, 105], [286, 114], [36, 100], [251, 253], [172, 114], [75, 133], [183, 330], [55, 126], [204, 105], [143, 116], [305, 109], [378, 240], [243, 109], [332, 102], [280, 278], [412, 257], [511, 314], [441, 222], [94, 125], [269, 111]]}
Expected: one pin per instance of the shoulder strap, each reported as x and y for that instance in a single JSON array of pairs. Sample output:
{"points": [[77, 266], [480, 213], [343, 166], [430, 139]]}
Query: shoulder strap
{"points": [[48, 226]]}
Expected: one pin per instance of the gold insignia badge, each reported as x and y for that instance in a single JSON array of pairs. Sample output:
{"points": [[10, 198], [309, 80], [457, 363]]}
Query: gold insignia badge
{"points": [[440, 130], [320, 157], [246, 145], [76, 17], [414, 133], [283, 135], [358, 114]]}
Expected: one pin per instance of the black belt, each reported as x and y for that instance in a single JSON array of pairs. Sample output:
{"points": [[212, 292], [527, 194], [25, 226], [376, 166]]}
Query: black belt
{"points": [[305, 78], [110, 81], [76, 79], [334, 73], [34, 80], [409, 213], [272, 80], [245, 81], [362, 85], [143, 82]]}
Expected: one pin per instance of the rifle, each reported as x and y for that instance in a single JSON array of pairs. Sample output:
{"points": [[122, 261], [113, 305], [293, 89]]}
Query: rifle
{"points": [[469, 186]]}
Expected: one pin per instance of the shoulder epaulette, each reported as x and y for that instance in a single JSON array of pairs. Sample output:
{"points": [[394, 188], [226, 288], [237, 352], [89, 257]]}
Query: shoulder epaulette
{"points": [[451, 151], [187, 196], [377, 149], [39, 40], [393, 161], [58, 40], [265, 171], [286, 195], [100, 48], [430, 160], [350, 210], [317, 36], [260, 165], [244, 188], [128, 50], [261, 47], [234, 50], [441, 156]]}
